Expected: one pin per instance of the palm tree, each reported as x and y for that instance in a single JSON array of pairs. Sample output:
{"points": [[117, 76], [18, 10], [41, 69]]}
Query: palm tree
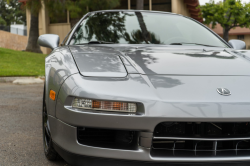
{"points": [[32, 45], [59, 6], [34, 6]]}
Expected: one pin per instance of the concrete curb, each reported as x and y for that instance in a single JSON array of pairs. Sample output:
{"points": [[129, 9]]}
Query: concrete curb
{"points": [[22, 80]]}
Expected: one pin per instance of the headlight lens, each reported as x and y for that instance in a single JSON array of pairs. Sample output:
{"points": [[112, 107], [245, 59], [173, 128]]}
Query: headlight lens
{"points": [[104, 105]]}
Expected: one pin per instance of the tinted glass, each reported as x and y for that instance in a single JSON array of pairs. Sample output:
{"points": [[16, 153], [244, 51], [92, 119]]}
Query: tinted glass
{"points": [[142, 28]]}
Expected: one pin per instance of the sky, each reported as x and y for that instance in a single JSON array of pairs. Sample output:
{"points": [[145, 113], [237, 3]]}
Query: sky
{"points": [[202, 2]]}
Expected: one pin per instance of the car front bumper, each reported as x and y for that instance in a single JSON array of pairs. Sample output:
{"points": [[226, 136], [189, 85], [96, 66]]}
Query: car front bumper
{"points": [[81, 160], [192, 106], [65, 137]]}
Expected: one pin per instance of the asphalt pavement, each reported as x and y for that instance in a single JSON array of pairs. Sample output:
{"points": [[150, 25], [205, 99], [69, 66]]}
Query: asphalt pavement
{"points": [[21, 141]]}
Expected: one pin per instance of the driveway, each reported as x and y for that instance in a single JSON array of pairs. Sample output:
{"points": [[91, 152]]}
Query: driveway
{"points": [[21, 140]]}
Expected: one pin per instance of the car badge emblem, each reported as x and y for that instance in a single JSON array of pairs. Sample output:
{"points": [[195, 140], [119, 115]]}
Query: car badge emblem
{"points": [[223, 91]]}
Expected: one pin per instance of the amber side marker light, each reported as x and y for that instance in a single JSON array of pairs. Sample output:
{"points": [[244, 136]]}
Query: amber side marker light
{"points": [[52, 95], [104, 105]]}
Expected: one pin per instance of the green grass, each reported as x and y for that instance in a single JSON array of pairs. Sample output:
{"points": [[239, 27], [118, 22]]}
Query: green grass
{"points": [[19, 63]]}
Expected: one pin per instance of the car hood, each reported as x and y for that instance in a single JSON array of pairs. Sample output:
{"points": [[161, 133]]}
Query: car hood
{"points": [[189, 62], [110, 61]]}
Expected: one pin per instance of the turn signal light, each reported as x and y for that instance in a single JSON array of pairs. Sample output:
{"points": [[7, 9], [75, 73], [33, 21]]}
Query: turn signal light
{"points": [[52, 94], [104, 105]]}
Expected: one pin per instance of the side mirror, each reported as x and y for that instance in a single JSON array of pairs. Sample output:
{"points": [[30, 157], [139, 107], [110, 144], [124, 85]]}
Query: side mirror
{"points": [[237, 44], [49, 40]]}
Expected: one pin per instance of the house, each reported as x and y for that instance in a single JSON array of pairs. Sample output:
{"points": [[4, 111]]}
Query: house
{"points": [[237, 33], [63, 26], [18, 29]]}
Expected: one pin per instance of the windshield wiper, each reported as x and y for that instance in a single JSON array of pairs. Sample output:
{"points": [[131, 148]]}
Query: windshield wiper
{"points": [[100, 42], [192, 43]]}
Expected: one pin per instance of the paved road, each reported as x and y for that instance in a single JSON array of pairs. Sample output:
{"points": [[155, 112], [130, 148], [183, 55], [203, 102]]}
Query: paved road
{"points": [[21, 140]]}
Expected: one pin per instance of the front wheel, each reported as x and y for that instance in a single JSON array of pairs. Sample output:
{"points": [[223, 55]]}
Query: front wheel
{"points": [[49, 151]]}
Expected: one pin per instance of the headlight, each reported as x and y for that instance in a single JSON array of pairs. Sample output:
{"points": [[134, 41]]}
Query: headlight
{"points": [[104, 105]]}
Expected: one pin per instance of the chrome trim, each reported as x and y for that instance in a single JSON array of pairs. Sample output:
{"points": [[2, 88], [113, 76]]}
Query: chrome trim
{"points": [[201, 139], [200, 159], [224, 91]]}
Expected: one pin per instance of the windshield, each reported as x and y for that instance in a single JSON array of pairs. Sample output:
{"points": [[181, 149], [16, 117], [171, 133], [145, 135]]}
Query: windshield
{"points": [[142, 28]]}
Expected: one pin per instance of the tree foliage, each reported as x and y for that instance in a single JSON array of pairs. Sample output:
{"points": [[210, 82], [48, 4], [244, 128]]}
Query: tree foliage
{"points": [[2, 21], [57, 9], [80, 7], [103, 32], [34, 6], [229, 14], [110, 27], [77, 8], [11, 11]]}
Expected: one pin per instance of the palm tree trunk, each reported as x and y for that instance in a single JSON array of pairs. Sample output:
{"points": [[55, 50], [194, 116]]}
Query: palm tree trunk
{"points": [[139, 4], [33, 35], [225, 31], [225, 34], [143, 27]]}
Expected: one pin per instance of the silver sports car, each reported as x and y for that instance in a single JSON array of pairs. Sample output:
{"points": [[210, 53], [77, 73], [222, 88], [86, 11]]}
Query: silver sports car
{"points": [[143, 86]]}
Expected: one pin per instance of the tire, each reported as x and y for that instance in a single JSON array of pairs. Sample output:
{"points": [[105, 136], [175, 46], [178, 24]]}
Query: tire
{"points": [[49, 151]]}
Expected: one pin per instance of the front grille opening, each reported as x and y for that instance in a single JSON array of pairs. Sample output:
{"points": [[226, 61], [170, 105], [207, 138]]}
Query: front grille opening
{"points": [[205, 139], [106, 138], [202, 129]]}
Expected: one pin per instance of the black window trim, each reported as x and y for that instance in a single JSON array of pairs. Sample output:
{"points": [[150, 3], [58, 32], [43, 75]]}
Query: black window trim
{"points": [[67, 36]]}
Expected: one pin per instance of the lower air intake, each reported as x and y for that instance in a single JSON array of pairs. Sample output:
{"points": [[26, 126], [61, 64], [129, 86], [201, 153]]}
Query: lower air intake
{"points": [[185, 139], [106, 138]]}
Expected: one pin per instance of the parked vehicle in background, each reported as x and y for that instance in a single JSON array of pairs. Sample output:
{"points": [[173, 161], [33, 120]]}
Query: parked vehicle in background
{"points": [[145, 86]]}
